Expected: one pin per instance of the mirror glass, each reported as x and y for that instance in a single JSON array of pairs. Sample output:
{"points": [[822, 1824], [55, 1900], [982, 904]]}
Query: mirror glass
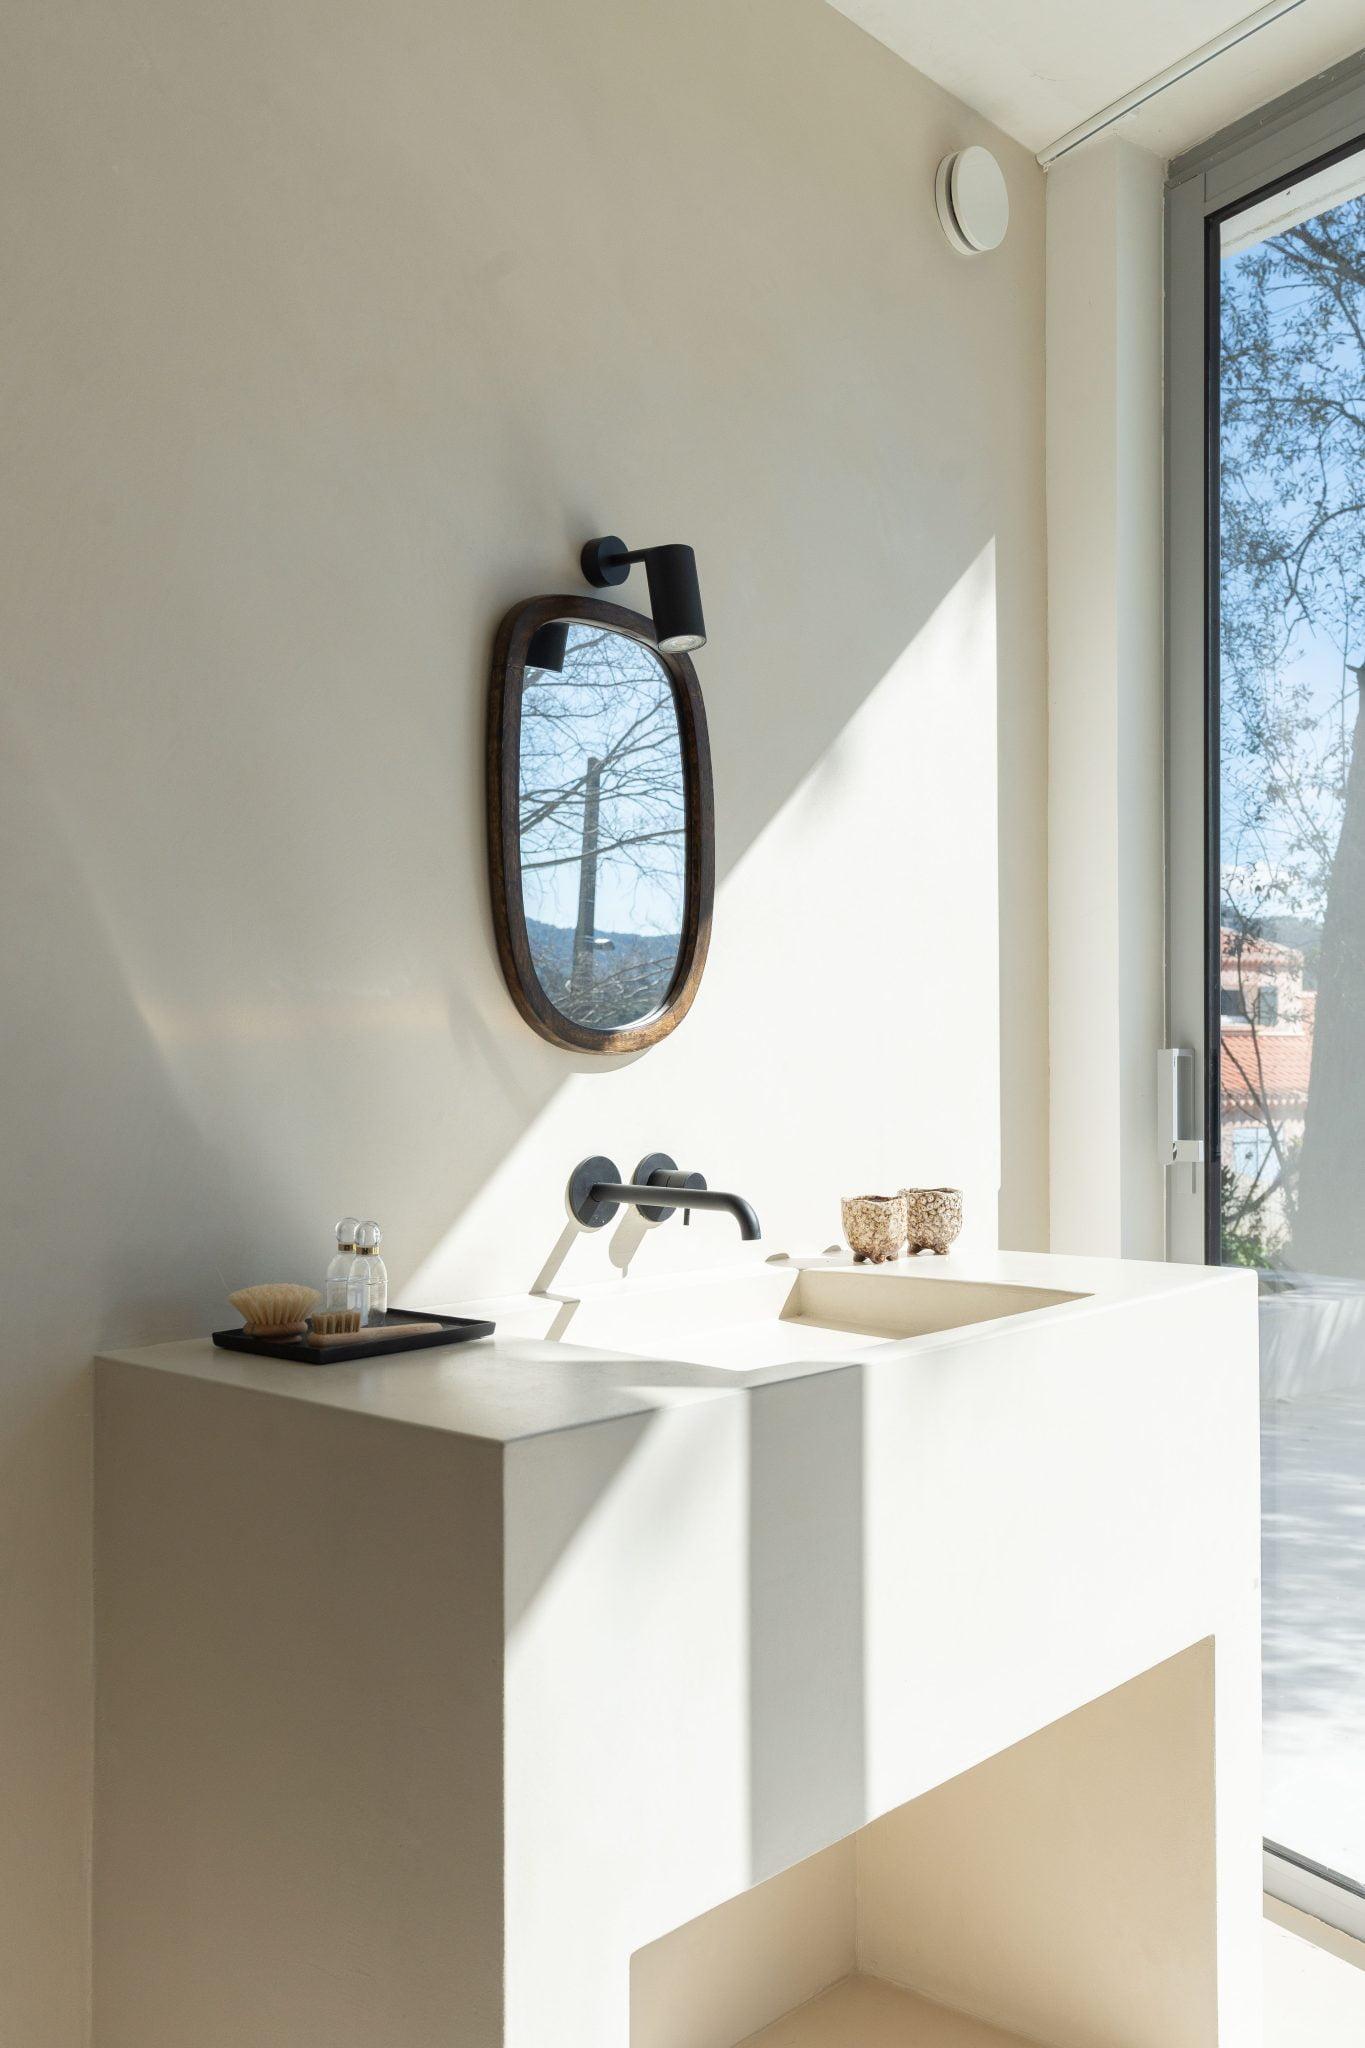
{"points": [[603, 824]]}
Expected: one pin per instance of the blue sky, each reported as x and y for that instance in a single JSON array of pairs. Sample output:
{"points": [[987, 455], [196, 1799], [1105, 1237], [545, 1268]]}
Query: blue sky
{"points": [[1253, 849]]}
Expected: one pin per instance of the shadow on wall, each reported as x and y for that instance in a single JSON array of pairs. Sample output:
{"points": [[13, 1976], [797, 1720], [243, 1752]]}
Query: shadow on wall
{"points": [[218, 1039], [302, 492], [100, 1155], [256, 1043]]}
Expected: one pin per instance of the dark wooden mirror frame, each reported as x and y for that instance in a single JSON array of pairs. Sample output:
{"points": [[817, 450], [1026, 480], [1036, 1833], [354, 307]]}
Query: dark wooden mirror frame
{"points": [[504, 830]]}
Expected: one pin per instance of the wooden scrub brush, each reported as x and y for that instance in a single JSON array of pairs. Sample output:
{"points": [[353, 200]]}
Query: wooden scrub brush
{"points": [[279, 1310], [336, 1322], [323, 1336]]}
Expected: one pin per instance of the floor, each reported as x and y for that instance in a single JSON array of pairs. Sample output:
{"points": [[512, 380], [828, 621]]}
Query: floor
{"points": [[1313, 1494], [865, 2011]]}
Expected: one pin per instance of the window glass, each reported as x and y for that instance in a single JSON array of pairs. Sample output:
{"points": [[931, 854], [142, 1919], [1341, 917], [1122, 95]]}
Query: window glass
{"points": [[1290, 506]]}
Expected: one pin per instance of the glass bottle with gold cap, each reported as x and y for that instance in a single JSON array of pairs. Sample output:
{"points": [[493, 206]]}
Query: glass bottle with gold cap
{"points": [[367, 1288], [339, 1272]]}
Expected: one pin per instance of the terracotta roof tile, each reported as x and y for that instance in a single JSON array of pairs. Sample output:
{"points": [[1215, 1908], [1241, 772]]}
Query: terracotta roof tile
{"points": [[1256, 953], [1270, 1067]]}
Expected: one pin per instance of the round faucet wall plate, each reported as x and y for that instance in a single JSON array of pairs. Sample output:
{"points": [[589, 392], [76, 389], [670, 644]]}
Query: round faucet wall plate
{"points": [[584, 1178]]}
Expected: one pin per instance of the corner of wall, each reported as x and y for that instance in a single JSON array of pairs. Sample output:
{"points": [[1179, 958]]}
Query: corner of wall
{"points": [[1105, 696]]}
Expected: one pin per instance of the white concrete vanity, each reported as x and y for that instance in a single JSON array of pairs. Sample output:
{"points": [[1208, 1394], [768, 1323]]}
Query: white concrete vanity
{"points": [[795, 1654]]}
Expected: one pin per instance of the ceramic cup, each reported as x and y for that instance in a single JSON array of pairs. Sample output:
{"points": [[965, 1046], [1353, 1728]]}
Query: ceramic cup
{"points": [[933, 1217], [874, 1226]]}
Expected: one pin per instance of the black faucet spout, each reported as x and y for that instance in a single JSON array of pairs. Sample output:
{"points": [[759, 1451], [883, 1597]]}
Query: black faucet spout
{"points": [[596, 1191], [642, 1195]]}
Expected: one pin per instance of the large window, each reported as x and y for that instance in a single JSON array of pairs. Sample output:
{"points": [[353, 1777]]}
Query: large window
{"points": [[1276, 672], [1290, 509], [1289, 358]]}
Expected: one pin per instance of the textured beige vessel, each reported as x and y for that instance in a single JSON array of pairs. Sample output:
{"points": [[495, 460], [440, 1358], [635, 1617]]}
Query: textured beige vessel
{"points": [[874, 1226], [933, 1218]]}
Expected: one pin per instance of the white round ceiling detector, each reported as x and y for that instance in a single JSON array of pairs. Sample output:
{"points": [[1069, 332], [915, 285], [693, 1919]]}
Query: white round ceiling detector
{"points": [[973, 202]]}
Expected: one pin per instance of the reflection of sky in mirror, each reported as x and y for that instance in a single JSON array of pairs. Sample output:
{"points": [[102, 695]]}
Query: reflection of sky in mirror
{"points": [[613, 703]]}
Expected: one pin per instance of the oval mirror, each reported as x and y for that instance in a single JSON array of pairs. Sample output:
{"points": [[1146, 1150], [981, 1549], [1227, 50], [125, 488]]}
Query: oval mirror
{"points": [[600, 824]]}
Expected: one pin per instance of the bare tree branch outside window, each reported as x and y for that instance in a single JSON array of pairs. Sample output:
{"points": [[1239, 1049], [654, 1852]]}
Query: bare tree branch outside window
{"points": [[1292, 515]]}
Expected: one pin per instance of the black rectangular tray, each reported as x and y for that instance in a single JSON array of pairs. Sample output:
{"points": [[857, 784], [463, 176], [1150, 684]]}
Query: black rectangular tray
{"points": [[298, 1351]]}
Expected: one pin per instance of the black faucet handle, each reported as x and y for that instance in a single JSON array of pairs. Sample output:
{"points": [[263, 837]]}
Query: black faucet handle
{"points": [[685, 1180], [657, 1170]]}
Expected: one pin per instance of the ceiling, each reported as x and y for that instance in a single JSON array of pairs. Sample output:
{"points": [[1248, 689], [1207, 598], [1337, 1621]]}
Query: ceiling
{"points": [[1038, 67]]}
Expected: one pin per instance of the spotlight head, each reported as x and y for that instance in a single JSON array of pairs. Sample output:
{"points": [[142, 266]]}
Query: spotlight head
{"points": [[675, 598], [549, 644], [674, 592]]}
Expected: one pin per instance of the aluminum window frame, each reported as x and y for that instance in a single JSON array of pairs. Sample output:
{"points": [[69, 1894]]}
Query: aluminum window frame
{"points": [[1305, 131]]}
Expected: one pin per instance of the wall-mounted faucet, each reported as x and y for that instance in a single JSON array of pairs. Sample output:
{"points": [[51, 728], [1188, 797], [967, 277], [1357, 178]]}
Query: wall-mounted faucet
{"points": [[596, 1191]]}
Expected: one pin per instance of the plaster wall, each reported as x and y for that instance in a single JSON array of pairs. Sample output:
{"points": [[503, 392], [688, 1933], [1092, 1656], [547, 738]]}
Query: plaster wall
{"points": [[331, 331], [1106, 698]]}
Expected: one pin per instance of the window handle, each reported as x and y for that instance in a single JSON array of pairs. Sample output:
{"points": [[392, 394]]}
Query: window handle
{"points": [[1176, 1142]]}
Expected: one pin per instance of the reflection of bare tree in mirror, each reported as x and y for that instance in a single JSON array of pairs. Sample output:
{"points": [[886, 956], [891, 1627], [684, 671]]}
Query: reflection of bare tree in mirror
{"points": [[602, 826]]}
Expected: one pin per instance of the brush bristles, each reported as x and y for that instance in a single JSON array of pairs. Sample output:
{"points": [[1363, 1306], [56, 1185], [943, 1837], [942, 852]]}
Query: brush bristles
{"points": [[336, 1322], [281, 1306]]}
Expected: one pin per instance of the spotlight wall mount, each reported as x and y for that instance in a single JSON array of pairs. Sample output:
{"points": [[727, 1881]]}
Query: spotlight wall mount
{"points": [[674, 592]]}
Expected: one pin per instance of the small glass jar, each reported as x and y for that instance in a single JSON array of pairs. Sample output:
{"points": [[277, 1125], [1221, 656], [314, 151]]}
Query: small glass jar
{"points": [[339, 1272], [367, 1285]]}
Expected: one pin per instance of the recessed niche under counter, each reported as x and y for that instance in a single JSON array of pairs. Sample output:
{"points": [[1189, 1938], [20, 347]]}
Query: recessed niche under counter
{"points": [[875, 2014], [1048, 1890], [545, 1694]]}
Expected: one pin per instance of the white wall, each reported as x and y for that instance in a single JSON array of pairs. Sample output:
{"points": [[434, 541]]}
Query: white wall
{"points": [[331, 331], [1106, 697]]}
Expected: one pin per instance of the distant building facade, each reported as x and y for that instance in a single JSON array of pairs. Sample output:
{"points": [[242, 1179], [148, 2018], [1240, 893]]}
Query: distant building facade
{"points": [[1265, 1060]]}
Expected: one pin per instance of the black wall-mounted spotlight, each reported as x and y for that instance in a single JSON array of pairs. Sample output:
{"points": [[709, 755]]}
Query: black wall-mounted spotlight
{"points": [[674, 593], [548, 646]]}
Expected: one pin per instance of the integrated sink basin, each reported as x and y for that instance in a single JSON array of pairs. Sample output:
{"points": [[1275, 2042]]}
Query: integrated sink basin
{"points": [[781, 1314]]}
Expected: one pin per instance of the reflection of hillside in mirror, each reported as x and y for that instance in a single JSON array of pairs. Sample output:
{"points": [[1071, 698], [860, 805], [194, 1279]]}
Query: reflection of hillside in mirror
{"points": [[603, 829]]}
